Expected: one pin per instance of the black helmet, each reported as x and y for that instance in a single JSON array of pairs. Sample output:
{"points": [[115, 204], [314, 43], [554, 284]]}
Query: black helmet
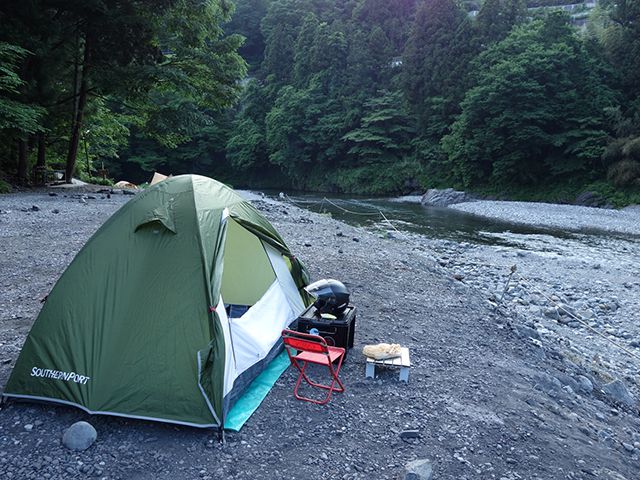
{"points": [[331, 296]]}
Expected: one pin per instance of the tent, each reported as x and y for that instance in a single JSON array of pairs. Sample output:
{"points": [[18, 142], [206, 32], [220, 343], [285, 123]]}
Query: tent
{"points": [[157, 178], [168, 312]]}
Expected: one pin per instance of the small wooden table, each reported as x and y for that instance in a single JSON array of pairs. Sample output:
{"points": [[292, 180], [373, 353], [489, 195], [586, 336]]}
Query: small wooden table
{"points": [[402, 361]]}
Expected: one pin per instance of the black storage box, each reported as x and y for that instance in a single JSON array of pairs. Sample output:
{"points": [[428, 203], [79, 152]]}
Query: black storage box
{"points": [[338, 332]]}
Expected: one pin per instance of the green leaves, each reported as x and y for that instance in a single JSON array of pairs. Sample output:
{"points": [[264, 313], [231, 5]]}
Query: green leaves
{"points": [[531, 113], [15, 114]]}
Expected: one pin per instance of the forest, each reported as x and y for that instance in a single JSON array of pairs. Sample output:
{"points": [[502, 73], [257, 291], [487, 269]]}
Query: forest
{"points": [[375, 97]]}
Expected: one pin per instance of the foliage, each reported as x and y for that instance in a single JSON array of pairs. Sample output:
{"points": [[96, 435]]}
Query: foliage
{"points": [[14, 113], [162, 68], [537, 109], [361, 96], [4, 187], [384, 132], [496, 18], [625, 173], [435, 64]]}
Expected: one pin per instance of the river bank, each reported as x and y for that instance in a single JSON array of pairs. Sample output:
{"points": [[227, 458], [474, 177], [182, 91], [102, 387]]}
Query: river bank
{"points": [[550, 215], [491, 394]]}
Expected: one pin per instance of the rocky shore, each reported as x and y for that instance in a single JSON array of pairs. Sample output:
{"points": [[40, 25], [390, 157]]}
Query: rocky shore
{"points": [[502, 385], [565, 217]]}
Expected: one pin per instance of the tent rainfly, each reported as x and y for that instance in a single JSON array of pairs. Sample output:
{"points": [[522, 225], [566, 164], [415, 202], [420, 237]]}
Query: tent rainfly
{"points": [[168, 312]]}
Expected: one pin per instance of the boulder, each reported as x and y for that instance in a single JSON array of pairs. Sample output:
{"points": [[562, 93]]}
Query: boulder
{"points": [[442, 198], [617, 391], [546, 383], [590, 199], [79, 436], [420, 469]]}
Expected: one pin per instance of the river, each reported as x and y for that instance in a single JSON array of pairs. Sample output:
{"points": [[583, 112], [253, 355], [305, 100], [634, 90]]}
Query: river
{"points": [[407, 214]]}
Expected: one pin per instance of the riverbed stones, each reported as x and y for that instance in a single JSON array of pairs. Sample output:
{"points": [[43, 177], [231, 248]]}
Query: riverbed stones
{"points": [[547, 383], [584, 384], [617, 391], [527, 332], [79, 436], [420, 469]]}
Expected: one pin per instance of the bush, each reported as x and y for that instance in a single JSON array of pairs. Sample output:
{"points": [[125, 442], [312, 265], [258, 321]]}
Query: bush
{"points": [[625, 173], [5, 187], [100, 181]]}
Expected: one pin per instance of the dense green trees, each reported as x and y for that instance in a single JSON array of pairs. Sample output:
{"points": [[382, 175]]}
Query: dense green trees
{"points": [[373, 96], [364, 96], [536, 109], [155, 66]]}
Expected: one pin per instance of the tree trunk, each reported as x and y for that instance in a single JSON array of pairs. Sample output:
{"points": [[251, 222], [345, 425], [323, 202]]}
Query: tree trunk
{"points": [[23, 161], [76, 125], [41, 162], [42, 150]]}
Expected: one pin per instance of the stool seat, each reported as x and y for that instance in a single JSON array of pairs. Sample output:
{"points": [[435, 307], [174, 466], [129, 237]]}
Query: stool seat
{"points": [[403, 362]]}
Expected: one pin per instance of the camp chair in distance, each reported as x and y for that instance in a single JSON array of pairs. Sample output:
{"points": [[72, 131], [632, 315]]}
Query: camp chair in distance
{"points": [[303, 349]]}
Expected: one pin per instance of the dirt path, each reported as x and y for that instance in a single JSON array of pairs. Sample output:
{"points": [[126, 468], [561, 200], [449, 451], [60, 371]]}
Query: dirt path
{"points": [[487, 403]]}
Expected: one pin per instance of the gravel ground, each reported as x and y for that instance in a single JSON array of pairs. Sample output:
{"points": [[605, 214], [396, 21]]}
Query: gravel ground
{"points": [[566, 217], [491, 395]]}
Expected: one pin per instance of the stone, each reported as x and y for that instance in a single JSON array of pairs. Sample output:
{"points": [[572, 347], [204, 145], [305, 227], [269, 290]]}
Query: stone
{"points": [[628, 447], [443, 198], [523, 331], [547, 383], [585, 314], [28, 427], [568, 381], [617, 391], [409, 434], [79, 436], [420, 469], [590, 199], [584, 384]]}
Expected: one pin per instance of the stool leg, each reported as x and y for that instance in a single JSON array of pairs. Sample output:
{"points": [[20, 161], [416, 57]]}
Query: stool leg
{"points": [[371, 370], [404, 374]]}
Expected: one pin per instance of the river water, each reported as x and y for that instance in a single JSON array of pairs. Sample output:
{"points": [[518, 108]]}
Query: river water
{"points": [[407, 214]]}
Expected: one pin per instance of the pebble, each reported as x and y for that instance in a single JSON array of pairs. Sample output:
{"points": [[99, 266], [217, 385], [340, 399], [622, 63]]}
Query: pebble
{"points": [[628, 447]]}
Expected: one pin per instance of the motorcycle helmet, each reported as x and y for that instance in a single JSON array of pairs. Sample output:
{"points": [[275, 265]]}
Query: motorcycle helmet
{"points": [[331, 296]]}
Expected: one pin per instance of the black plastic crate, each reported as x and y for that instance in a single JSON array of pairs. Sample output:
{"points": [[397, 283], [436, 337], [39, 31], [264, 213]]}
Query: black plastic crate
{"points": [[339, 332]]}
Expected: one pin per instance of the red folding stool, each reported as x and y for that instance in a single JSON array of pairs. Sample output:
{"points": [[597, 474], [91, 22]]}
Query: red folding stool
{"points": [[304, 348]]}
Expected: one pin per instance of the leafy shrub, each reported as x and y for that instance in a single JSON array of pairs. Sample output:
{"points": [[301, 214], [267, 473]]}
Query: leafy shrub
{"points": [[5, 187], [625, 173], [100, 181]]}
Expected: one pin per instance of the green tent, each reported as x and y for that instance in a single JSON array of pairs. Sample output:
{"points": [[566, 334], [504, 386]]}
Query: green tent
{"points": [[168, 312]]}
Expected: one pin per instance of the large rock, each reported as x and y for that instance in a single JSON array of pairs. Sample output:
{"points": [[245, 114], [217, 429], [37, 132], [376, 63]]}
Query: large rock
{"points": [[443, 198], [418, 470], [618, 392], [79, 436], [590, 199]]}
